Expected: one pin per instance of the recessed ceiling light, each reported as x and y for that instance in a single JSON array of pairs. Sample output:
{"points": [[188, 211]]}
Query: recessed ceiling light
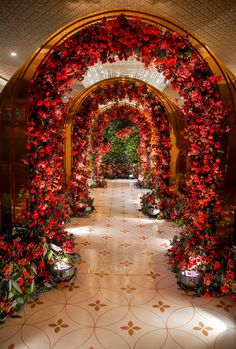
{"points": [[13, 54]]}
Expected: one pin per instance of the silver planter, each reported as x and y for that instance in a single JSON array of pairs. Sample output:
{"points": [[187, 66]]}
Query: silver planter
{"points": [[63, 271], [189, 279], [152, 211]]}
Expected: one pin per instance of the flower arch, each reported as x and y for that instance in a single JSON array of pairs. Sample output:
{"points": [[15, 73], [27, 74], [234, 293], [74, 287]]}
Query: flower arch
{"points": [[104, 118], [172, 54], [204, 112], [82, 120], [204, 115]]}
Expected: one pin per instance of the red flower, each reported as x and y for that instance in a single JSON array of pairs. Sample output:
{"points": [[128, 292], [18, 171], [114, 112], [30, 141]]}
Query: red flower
{"points": [[217, 265], [41, 264], [25, 273], [51, 261], [20, 281]]}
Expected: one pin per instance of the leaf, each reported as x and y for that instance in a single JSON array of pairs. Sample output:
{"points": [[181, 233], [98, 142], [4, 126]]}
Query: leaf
{"points": [[208, 328], [16, 286], [10, 285], [130, 332], [124, 327], [10, 295], [34, 269], [60, 321], [136, 328], [32, 286], [52, 325], [49, 254], [130, 324], [201, 324], [64, 325], [55, 248]]}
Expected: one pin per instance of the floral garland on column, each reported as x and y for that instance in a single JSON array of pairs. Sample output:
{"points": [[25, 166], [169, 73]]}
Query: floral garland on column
{"points": [[78, 193]]}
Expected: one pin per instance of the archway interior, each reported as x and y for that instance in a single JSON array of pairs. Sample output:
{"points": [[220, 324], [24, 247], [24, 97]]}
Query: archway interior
{"points": [[204, 124]]}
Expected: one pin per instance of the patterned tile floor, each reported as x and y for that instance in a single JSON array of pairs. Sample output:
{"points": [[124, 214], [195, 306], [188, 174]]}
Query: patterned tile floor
{"points": [[124, 296]]}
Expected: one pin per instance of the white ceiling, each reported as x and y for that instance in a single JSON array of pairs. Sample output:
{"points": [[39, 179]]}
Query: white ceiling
{"points": [[25, 24]]}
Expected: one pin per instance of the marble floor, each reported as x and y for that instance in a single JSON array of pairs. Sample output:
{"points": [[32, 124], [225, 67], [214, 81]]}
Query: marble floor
{"points": [[124, 295]]}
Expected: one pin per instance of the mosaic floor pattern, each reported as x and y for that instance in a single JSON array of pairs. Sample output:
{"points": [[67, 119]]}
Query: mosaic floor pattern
{"points": [[124, 295]]}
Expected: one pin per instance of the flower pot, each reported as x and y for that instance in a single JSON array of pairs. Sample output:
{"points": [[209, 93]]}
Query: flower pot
{"points": [[63, 271], [152, 211], [189, 279], [138, 185]]}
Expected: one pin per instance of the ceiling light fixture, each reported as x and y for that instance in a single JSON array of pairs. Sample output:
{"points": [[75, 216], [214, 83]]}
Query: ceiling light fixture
{"points": [[13, 54]]}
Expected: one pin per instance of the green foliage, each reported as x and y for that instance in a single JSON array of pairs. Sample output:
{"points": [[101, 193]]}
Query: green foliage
{"points": [[122, 150]]}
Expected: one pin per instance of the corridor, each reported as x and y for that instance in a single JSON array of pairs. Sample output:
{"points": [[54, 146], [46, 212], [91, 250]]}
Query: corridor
{"points": [[124, 295]]}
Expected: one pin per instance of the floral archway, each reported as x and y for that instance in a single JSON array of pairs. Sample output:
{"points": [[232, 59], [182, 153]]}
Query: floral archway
{"points": [[117, 112], [203, 112], [204, 115], [82, 121]]}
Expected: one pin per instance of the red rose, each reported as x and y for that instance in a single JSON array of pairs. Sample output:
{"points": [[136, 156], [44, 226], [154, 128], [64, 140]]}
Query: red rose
{"points": [[217, 265], [25, 273], [20, 281], [41, 264]]}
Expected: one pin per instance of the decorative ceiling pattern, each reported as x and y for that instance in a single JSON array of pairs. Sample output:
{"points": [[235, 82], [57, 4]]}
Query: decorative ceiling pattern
{"points": [[25, 24]]}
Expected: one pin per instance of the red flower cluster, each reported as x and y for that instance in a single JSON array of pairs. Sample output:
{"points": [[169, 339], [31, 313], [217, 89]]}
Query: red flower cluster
{"points": [[124, 132]]}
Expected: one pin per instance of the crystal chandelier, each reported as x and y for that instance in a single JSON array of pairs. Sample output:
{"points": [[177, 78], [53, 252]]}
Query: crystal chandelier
{"points": [[130, 68]]}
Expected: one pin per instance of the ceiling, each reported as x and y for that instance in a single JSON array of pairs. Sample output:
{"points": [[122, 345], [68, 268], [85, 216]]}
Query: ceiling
{"points": [[25, 24]]}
